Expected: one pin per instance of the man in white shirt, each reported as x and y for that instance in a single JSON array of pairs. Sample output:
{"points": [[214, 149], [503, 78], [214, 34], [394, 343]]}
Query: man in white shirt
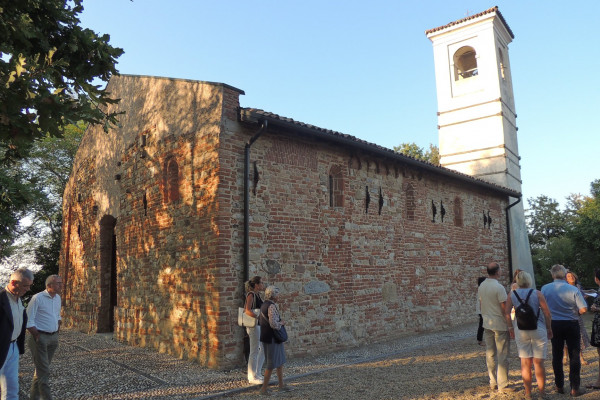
{"points": [[492, 301], [43, 323]]}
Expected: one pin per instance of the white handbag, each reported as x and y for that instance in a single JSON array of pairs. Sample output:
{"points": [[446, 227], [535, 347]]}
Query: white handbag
{"points": [[246, 320]]}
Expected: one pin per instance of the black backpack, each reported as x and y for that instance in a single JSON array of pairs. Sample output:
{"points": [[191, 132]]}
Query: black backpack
{"points": [[524, 315]]}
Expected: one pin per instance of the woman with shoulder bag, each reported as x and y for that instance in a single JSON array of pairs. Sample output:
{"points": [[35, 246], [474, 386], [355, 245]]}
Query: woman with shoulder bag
{"points": [[270, 320], [256, 357], [532, 343]]}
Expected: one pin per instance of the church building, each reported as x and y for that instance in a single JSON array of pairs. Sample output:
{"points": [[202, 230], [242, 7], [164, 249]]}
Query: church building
{"points": [[168, 213]]}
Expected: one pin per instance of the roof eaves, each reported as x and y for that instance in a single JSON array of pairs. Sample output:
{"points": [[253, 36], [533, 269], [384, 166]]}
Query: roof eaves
{"points": [[254, 115]]}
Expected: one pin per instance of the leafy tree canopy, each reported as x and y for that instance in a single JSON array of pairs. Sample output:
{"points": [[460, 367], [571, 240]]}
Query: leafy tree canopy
{"points": [[49, 67], [15, 195], [570, 237], [545, 220], [413, 150], [586, 230], [34, 186]]}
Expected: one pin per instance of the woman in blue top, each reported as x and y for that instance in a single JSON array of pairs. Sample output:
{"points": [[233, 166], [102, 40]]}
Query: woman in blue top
{"points": [[532, 345]]}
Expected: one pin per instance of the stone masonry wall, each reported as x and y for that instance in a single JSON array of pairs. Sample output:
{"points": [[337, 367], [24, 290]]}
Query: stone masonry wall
{"points": [[158, 186]]}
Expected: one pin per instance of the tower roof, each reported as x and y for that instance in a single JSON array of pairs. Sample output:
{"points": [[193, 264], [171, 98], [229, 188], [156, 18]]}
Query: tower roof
{"points": [[493, 10]]}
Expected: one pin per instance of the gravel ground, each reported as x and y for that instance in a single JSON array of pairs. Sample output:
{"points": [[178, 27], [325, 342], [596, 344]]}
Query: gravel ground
{"points": [[442, 365]]}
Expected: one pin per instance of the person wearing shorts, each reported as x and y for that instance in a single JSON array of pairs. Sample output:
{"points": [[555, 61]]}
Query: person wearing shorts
{"points": [[532, 345]]}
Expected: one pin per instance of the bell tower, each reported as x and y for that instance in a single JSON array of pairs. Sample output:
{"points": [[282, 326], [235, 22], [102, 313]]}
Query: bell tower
{"points": [[476, 110]]}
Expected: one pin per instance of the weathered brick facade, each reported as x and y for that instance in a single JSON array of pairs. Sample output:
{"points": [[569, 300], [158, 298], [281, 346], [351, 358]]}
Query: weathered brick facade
{"points": [[154, 229]]}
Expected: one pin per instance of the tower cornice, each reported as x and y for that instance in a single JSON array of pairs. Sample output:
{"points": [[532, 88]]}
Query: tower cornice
{"points": [[489, 13]]}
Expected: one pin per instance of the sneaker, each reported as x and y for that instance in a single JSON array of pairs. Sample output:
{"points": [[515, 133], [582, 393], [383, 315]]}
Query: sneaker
{"points": [[256, 381], [577, 392]]}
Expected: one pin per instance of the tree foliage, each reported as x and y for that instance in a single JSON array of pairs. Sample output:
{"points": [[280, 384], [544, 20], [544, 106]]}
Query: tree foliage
{"points": [[545, 220], [585, 233], [48, 167], [42, 177], [16, 193], [46, 255], [49, 67], [570, 237], [413, 150]]}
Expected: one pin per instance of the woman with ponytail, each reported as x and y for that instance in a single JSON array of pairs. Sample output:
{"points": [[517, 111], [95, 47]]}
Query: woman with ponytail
{"points": [[256, 358]]}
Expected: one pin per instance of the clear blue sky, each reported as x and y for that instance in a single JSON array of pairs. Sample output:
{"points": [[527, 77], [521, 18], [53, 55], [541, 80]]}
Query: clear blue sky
{"points": [[365, 68]]}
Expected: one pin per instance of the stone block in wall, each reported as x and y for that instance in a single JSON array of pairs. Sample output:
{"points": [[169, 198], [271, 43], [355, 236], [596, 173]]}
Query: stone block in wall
{"points": [[316, 287]]}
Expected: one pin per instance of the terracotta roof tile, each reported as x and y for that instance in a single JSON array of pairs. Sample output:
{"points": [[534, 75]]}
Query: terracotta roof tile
{"points": [[471, 17]]}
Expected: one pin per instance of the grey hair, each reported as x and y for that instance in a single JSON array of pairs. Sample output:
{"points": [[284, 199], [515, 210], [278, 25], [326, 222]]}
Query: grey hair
{"points": [[20, 274], [51, 279], [523, 279], [558, 271], [271, 292]]}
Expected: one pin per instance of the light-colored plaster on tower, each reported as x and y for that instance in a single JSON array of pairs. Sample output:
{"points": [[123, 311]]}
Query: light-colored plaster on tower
{"points": [[476, 110]]}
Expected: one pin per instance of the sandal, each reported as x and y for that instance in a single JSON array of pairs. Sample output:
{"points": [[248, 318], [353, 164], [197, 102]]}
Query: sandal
{"points": [[265, 393], [285, 388]]}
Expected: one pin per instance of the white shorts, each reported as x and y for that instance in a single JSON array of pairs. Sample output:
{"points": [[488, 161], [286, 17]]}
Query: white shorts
{"points": [[532, 343]]}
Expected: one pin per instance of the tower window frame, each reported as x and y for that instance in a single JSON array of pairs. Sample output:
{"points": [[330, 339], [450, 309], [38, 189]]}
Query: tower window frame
{"points": [[465, 63]]}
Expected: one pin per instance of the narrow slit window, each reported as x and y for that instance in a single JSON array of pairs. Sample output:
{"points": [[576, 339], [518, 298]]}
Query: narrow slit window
{"points": [[336, 187], [256, 178], [171, 180], [458, 212], [145, 203], [410, 202]]}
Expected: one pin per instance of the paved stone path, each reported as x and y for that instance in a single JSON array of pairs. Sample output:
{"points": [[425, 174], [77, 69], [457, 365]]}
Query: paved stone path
{"points": [[442, 365]]}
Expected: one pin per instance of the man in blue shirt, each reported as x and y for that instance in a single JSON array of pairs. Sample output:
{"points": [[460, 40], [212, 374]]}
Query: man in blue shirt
{"points": [[566, 303]]}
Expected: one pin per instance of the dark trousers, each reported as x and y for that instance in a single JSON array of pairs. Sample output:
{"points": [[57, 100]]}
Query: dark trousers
{"points": [[566, 332], [480, 329]]}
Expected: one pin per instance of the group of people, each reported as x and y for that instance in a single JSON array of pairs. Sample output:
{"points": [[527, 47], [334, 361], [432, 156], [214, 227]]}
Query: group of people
{"points": [[42, 320], [263, 345], [557, 308]]}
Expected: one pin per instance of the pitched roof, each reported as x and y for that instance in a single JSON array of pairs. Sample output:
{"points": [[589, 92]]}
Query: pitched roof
{"points": [[471, 17], [254, 115]]}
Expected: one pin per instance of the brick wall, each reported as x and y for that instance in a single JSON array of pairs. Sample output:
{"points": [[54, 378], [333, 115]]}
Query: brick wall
{"points": [[359, 273]]}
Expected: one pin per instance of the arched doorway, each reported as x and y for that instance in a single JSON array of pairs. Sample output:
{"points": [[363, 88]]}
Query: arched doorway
{"points": [[108, 274]]}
